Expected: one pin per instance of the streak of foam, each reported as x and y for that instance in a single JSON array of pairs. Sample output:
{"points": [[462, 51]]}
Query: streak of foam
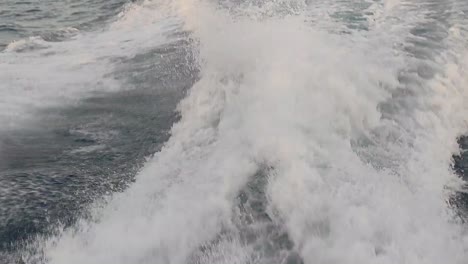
{"points": [[36, 73], [279, 93]]}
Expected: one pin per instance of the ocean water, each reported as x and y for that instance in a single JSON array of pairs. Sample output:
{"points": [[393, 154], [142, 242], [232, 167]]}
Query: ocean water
{"points": [[259, 132]]}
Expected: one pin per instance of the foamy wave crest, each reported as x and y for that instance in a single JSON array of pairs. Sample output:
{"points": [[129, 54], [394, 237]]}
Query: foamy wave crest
{"points": [[29, 44], [41, 42]]}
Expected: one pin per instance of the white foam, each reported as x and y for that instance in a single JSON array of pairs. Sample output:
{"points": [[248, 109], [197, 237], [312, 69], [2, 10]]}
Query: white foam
{"points": [[278, 92], [36, 74]]}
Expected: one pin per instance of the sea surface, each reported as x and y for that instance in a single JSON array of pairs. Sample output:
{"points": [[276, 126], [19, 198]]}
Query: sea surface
{"points": [[233, 132]]}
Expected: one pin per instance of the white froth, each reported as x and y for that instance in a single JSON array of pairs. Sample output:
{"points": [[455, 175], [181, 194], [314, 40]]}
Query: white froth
{"points": [[36, 74], [282, 93]]}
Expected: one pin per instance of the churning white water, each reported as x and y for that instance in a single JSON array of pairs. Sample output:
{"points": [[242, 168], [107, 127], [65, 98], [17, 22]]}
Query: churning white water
{"points": [[349, 110]]}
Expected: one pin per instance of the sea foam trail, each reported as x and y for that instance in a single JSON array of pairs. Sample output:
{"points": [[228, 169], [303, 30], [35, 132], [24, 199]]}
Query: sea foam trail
{"points": [[37, 74], [321, 111]]}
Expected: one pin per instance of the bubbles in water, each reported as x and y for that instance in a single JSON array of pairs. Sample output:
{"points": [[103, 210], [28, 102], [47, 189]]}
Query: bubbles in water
{"points": [[355, 131]]}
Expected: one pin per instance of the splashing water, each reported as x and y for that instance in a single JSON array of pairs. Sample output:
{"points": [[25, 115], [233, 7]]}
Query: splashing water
{"points": [[304, 140]]}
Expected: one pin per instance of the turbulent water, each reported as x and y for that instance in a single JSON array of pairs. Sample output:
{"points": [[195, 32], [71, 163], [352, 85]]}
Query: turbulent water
{"points": [[214, 131]]}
